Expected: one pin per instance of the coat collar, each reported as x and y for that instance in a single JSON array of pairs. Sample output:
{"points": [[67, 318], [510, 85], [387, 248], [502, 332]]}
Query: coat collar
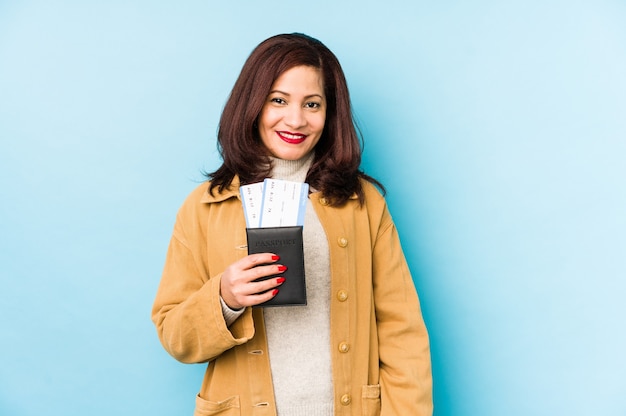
{"points": [[231, 192]]}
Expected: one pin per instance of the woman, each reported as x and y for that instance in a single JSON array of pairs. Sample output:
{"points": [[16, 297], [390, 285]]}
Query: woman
{"points": [[359, 346]]}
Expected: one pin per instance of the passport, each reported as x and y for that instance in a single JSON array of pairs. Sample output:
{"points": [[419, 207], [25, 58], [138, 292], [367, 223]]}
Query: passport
{"points": [[287, 243]]}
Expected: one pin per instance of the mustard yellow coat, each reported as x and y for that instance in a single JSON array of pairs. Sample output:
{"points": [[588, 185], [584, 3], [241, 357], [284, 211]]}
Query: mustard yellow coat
{"points": [[380, 350]]}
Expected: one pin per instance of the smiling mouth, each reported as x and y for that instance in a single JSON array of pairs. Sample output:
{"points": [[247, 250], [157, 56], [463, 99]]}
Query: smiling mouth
{"points": [[291, 138]]}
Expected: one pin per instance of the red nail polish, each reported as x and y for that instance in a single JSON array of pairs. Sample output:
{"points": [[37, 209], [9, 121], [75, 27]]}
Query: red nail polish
{"points": [[274, 292], [282, 268], [280, 280], [275, 257]]}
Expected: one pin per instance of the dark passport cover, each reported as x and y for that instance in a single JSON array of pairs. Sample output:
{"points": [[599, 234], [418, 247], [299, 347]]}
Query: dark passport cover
{"points": [[286, 242]]}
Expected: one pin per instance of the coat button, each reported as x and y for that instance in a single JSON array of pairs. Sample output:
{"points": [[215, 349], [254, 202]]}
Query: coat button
{"points": [[344, 347], [323, 201], [342, 241], [342, 295], [346, 399]]}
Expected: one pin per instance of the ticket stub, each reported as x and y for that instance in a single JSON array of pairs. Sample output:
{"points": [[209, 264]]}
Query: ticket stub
{"points": [[284, 203], [252, 198], [274, 203]]}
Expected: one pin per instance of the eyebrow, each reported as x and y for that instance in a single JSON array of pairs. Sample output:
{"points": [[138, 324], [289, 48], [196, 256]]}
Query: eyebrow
{"points": [[289, 95]]}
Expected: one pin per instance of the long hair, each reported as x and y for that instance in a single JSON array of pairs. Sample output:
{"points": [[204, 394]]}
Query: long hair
{"points": [[335, 169]]}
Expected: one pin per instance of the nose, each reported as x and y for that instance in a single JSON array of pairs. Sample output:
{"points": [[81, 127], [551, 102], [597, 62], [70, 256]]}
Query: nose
{"points": [[295, 117]]}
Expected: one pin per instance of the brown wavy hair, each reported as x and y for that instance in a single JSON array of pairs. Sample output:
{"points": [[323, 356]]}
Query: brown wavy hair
{"points": [[335, 170]]}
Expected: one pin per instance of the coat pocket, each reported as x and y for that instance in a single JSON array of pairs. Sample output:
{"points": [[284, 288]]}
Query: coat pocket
{"points": [[228, 407], [370, 400]]}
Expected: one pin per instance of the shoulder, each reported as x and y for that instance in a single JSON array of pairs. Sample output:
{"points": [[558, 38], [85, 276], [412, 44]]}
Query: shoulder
{"points": [[199, 192], [373, 195], [191, 208], [192, 215], [202, 194], [376, 206], [200, 200], [195, 197]]}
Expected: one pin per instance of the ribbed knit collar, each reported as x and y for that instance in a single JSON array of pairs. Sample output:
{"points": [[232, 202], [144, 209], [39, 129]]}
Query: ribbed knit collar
{"points": [[292, 170]]}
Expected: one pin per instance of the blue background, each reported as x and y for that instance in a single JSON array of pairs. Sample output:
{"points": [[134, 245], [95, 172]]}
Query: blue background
{"points": [[499, 129]]}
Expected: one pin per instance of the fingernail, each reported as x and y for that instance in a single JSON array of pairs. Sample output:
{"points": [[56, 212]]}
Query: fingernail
{"points": [[282, 268], [275, 257], [280, 280], [274, 292]]}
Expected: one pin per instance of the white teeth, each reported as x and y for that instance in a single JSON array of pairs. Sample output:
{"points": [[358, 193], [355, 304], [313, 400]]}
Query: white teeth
{"points": [[292, 136]]}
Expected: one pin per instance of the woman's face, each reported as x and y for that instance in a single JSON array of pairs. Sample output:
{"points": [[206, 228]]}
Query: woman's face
{"points": [[293, 116]]}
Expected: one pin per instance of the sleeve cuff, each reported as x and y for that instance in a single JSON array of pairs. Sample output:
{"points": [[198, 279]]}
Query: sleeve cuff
{"points": [[230, 315]]}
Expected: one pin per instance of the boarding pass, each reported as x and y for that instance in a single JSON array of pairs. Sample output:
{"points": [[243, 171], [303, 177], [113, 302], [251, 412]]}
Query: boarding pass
{"points": [[274, 203]]}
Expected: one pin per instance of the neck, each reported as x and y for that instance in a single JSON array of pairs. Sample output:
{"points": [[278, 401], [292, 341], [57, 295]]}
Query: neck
{"points": [[292, 170]]}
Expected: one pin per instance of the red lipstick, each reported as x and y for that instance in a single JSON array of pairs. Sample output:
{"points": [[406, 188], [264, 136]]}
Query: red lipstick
{"points": [[291, 138]]}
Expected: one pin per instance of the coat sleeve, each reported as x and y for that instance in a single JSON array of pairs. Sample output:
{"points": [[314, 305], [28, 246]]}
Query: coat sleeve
{"points": [[187, 311], [404, 352]]}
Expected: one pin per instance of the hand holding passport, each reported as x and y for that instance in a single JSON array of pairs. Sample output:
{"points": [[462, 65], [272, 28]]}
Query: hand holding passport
{"points": [[274, 211]]}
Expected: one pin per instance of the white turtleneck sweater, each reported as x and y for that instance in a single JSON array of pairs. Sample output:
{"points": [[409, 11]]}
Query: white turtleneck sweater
{"points": [[299, 336]]}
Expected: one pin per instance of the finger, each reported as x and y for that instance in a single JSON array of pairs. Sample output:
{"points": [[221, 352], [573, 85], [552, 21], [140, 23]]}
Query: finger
{"points": [[253, 260], [262, 297], [263, 272], [238, 294], [251, 299], [262, 286]]}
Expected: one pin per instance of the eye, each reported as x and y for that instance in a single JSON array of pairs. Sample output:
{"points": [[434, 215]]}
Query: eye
{"points": [[312, 104], [278, 100]]}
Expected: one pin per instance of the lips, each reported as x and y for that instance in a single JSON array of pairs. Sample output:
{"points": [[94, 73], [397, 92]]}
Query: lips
{"points": [[291, 138]]}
